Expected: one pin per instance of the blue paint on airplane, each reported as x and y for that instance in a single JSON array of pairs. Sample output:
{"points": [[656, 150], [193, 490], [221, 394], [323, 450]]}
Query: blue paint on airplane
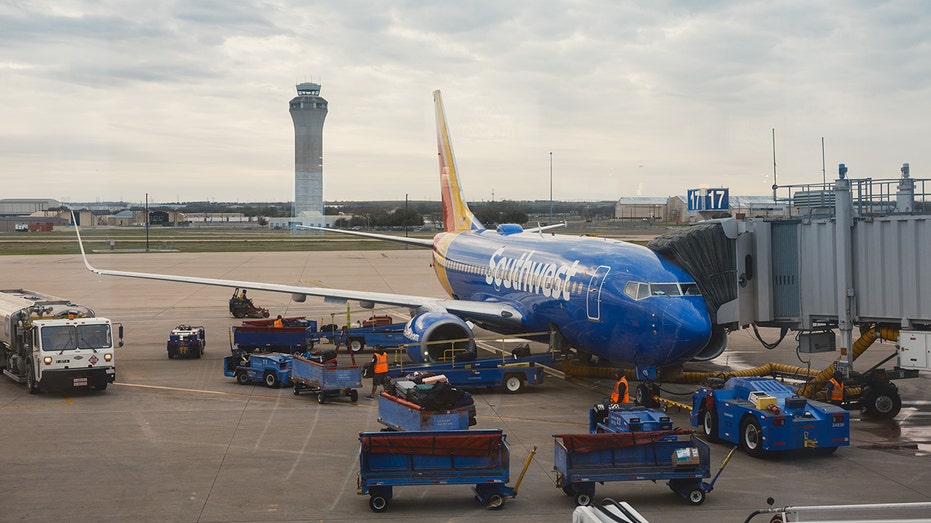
{"points": [[618, 300]]}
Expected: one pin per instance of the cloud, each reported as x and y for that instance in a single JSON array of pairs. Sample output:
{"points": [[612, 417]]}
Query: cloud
{"points": [[191, 98]]}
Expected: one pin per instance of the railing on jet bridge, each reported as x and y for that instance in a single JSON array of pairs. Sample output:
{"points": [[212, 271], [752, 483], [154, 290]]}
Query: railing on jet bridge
{"points": [[871, 197]]}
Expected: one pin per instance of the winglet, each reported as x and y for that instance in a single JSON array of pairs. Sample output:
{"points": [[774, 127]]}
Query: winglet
{"points": [[81, 245], [456, 214]]}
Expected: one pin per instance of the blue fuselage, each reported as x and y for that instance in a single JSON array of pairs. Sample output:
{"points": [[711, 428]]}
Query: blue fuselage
{"points": [[613, 299]]}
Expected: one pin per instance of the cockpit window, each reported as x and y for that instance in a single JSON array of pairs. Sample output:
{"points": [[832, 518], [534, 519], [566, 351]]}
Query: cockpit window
{"points": [[665, 289], [690, 289], [639, 290], [643, 291]]}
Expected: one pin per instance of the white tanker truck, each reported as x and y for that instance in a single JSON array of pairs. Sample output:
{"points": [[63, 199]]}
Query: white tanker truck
{"points": [[50, 343]]}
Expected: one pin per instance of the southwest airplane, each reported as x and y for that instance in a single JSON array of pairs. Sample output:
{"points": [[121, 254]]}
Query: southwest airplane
{"points": [[617, 300]]}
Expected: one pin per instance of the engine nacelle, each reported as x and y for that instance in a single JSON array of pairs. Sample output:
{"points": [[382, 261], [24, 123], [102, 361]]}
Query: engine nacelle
{"points": [[715, 345], [437, 336]]}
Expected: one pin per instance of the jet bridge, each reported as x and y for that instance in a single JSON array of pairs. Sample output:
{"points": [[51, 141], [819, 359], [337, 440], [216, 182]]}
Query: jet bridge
{"points": [[848, 254]]}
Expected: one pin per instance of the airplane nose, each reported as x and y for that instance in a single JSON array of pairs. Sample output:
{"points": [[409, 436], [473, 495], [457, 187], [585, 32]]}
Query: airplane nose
{"points": [[687, 327]]}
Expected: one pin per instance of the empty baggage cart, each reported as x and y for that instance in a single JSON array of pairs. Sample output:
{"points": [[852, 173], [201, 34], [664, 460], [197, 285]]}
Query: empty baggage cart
{"points": [[399, 459]]}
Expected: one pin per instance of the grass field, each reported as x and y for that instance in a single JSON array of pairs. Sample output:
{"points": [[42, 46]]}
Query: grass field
{"points": [[243, 240]]}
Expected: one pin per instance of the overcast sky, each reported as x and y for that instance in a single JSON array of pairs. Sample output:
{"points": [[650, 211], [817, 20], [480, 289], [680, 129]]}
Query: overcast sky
{"points": [[109, 99]]}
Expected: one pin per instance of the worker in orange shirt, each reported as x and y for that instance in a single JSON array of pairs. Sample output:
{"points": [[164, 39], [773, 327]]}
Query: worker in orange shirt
{"points": [[835, 388], [379, 368], [279, 322], [620, 393]]}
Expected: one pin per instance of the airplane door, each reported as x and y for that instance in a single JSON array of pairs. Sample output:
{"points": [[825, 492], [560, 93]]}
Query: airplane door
{"points": [[594, 292]]}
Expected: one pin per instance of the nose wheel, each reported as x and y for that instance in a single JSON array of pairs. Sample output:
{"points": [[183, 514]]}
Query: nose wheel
{"points": [[646, 393]]}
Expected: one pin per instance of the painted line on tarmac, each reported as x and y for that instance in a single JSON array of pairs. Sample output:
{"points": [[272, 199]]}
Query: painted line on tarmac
{"points": [[68, 401], [202, 391], [261, 396]]}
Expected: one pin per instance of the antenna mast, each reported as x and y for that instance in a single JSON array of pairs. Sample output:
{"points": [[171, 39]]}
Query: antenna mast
{"points": [[774, 165]]}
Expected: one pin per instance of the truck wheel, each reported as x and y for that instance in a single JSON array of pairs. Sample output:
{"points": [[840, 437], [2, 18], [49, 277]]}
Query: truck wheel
{"points": [[242, 378], [378, 503], [495, 502], [583, 499], [31, 385], [882, 401], [751, 437], [356, 345], [321, 397], [297, 389], [271, 381], [709, 424], [353, 395], [697, 496], [513, 383]]}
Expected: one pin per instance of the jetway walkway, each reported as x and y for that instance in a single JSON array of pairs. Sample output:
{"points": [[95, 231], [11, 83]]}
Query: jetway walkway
{"points": [[852, 254]]}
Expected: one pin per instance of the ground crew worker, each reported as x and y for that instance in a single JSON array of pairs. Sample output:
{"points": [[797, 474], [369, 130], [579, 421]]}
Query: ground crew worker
{"points": [[835, 388], [379, 368], [279, 322], [620, 393]]}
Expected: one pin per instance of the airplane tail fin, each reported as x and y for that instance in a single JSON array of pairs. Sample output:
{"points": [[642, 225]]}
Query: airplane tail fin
{"points": [[456, 214]]}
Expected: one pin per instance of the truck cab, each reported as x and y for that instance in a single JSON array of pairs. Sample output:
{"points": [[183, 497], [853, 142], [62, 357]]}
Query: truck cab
{"points": [[763, 415], [51, 343]]}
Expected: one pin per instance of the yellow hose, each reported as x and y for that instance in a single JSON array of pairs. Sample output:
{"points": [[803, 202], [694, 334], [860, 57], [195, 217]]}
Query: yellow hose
{"points": [[677, 375], [859, 347]]}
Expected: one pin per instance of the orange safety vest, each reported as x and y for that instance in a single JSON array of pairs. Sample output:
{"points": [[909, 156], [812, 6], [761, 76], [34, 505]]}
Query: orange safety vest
{"points": [[381, 363], [279, 323], [837, 393], [616, 396]]}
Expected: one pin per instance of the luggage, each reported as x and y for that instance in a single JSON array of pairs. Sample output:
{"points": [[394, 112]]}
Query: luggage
{"points": [[322, 355], [521, 351]]}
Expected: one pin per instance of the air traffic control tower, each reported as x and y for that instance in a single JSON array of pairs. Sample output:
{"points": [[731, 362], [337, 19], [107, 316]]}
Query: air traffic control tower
{"points": [[308, 111]]}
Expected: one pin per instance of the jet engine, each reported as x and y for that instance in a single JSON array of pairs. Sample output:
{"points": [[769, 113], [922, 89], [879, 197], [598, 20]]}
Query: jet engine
{"points": [[437, 336], [715, 346]]}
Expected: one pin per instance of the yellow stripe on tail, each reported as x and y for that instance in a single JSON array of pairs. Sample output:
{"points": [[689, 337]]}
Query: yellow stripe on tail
{"points": [[456, 214]]}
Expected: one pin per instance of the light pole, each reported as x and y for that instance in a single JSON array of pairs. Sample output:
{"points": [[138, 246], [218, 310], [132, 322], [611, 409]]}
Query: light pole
{"points": [[551, 189]]}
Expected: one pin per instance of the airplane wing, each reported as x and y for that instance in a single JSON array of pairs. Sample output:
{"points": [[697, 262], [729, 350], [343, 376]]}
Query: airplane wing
{"points": [[466, 309], [541, 228], [419, 242]]}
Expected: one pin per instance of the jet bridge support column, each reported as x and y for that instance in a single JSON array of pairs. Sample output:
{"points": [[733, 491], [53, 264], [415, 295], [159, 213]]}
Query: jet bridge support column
{"points": [[845, 291]]}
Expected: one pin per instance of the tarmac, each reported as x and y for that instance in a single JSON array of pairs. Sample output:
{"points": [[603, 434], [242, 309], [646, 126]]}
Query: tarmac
{"points": [[176, 440]]}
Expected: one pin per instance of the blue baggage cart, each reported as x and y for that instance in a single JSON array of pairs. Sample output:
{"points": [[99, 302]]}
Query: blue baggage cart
{"points": [[611, 417], [327, 379], [581, 460], [402, 415], [398, 459]]}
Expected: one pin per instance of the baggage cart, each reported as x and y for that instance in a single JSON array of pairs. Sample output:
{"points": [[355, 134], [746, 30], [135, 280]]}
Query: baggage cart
{"points": [[402, 415], [511, 374], [581, 460], [399, 459], [296, 336], [326, 379], [611, 417]]}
